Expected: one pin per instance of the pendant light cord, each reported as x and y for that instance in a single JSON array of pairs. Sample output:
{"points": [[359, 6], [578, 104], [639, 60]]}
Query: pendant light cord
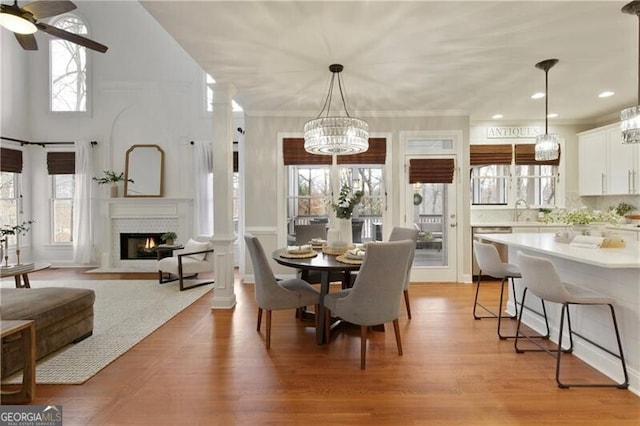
{"points": [[327, 100], [546, 101]]}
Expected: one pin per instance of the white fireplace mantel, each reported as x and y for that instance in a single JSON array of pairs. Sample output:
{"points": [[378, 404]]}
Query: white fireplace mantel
{"points": [[156, 215]]}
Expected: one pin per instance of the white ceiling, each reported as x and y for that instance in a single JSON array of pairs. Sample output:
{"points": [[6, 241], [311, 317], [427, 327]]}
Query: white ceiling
{"points": [[414, 58]]}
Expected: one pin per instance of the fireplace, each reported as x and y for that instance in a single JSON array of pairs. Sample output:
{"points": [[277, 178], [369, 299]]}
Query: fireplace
{"points": [[136, 245]]}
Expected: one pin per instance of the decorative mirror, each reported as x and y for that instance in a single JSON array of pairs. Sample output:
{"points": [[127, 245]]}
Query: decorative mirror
{"points": [[144, 167]]}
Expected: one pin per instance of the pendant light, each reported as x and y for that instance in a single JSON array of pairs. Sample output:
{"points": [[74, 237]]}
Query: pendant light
{"points": [[339, 135], [17, 20], [630, 117], [547, 146]]}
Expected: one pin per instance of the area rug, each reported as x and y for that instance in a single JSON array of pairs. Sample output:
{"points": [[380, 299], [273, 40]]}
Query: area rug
{"points": [[125, 312]]}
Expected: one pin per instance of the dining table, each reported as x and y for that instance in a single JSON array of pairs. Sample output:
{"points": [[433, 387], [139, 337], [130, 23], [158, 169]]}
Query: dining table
{"points": [[325, 264]]}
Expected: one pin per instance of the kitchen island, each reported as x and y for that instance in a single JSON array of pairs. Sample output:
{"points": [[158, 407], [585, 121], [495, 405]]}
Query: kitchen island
{"points": [[614, 272]]}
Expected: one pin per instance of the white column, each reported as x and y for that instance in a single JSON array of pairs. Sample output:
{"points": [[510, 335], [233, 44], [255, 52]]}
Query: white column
{"points": [[224, 296]]}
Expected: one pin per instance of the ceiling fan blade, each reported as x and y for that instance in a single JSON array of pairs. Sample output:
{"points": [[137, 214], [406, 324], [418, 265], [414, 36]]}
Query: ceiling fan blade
{"points": [[44, 9], [27, 41], [73, 38]]}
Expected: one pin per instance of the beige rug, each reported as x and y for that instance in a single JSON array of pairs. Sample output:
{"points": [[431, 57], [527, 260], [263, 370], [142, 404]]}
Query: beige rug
{"points": [[125, 312]]}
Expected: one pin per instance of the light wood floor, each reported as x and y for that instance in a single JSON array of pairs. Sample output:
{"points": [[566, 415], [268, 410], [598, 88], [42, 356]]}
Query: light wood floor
{"points": [[209, 367]]}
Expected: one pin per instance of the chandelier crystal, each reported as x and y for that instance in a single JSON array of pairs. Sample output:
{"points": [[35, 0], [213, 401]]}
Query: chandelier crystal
{"points": [[630, 117], [547, 146], [339, 135]]}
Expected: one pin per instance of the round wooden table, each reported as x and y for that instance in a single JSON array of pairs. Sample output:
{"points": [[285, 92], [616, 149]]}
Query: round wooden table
{"points": [[325, 264], [21, 275]]}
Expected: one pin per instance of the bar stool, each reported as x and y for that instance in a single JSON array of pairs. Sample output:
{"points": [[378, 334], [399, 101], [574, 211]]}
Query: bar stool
{"points": [[540, 276], [490, 263]]}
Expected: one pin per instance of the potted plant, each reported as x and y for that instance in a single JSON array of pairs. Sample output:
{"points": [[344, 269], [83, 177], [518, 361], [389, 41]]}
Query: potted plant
{"points": [[17, 230], [112, 178], [169, 238]]}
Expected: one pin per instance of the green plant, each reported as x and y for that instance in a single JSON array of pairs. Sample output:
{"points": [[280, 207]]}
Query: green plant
{"points": [[347, 200], [584, 216], [168, 236], [623, 208], [111, 177], [545, 210]]}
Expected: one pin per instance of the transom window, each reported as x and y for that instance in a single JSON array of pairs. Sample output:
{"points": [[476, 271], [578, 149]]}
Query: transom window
{"points": [[68, 72]]}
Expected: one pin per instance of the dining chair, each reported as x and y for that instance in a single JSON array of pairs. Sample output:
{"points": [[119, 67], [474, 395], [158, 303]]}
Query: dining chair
{"points": [[305, 233], [540, 277], [375, 296], [272, 294], [398, 234]]}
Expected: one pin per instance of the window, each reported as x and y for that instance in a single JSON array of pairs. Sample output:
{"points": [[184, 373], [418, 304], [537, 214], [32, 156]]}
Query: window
{"points": [[489, 184], [68, 75], [9, 200], [62, 208], [536, 184], [310, 191]]}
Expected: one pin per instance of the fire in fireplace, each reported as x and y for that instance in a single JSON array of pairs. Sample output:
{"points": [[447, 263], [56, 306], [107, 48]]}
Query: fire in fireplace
{"points": [[139, 245]]}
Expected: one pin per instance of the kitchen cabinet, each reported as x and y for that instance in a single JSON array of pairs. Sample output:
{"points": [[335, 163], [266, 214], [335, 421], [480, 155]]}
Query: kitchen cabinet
{"points": [[606, 165]]}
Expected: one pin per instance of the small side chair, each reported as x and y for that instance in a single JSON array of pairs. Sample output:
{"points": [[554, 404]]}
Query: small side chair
{"points": [[195, 258]]}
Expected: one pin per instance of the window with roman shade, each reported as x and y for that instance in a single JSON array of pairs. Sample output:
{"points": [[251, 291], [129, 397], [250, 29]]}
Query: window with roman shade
{"points": [[431, 170], [10, 160], [376, 154], [294, 154], [61, 163]]}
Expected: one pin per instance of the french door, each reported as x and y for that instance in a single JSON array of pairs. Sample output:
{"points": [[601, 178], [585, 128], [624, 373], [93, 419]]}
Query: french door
{"points": [[432, 208]]}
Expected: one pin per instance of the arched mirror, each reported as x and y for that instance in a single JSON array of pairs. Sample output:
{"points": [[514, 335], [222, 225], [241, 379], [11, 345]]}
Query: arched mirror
{"points": [[144, 167]]}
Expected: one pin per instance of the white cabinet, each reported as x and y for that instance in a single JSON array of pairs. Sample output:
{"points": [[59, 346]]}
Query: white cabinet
{"points": [[606, 165]]}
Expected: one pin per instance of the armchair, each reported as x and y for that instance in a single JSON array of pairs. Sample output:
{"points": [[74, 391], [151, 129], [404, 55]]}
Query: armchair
{"points": [[196, 257]]}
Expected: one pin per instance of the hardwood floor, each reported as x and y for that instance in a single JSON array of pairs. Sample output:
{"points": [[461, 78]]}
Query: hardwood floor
{"points": [[209, 367]]}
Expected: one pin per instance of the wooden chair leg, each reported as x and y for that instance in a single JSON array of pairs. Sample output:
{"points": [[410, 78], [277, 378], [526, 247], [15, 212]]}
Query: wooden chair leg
{"points": [[327, 323], [406, 302], [259, 318], [363, 346], [268, 328], [396, 330]]}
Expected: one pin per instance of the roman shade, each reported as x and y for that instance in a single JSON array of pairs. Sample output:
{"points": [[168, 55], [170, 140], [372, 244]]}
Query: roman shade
{"points": [[432, 170], [525, 156], [61, 163], [10, 160], [483, 155], [294, 154]]}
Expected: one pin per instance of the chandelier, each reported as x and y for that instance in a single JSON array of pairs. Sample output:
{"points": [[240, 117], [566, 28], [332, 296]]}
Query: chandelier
{"points": [[340, 135], [630, 117], [547, 147]]}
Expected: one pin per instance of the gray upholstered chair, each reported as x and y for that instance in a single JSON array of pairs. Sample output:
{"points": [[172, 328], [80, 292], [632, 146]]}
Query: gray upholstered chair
{"points": [[195, 258], [375, 296], [271, 294], [539, 276], [399, 234]]}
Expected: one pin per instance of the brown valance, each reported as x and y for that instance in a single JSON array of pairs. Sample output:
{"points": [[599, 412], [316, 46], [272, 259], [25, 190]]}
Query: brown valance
{"points": [[483, 155], [294, 154], [61, 163], [10, 160], [435, 170], [525, 156], [376, 154]]}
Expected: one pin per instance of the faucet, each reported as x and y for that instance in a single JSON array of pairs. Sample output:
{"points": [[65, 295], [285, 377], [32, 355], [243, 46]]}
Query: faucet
{"points": [[516, 213]]}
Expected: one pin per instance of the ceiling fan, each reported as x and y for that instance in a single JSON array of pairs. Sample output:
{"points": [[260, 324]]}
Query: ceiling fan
{"points": [[24, 21]]}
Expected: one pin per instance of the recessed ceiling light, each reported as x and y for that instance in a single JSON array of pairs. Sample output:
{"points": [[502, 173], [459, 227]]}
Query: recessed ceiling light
{"points": [[606, 94], [537, 95], [497, 116], [552, 115]]}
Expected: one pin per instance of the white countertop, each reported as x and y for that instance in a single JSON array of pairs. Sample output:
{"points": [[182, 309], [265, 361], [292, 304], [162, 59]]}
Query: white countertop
{"points": [[611, 258], [535, 224]]}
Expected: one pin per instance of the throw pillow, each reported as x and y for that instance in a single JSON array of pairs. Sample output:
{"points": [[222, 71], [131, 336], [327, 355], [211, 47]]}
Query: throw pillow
{"points": [[193, 246]]}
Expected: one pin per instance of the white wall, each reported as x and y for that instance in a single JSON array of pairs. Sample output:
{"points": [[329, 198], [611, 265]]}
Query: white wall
{"points": [[144, 90]]}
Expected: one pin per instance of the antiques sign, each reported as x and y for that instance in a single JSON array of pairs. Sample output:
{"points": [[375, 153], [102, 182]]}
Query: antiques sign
{"points": [[513, 132]]}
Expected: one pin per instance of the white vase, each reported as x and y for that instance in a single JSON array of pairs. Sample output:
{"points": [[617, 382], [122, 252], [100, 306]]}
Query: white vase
{"points": [[114, 190], [345, 229]]}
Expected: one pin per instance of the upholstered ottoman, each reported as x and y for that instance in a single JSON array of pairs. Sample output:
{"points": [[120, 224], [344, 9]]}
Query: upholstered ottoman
{"points": [[62, 316]]}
